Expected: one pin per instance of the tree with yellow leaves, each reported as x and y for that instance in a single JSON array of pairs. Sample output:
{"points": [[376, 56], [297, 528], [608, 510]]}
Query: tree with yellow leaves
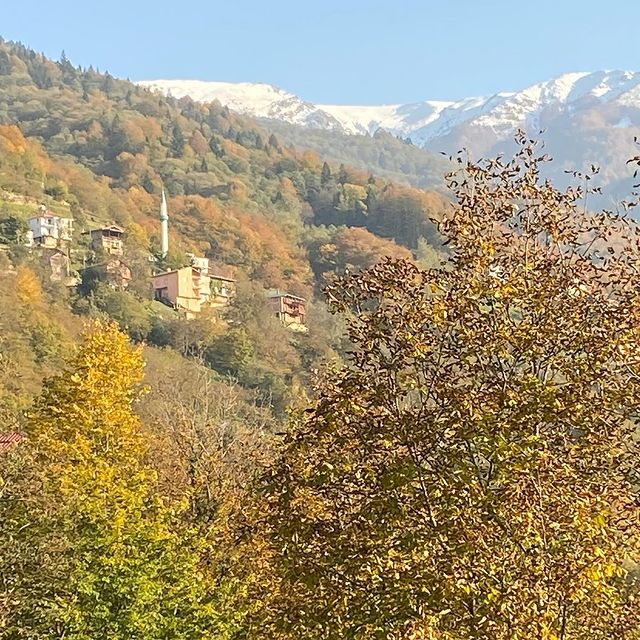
{"points": [[473, 472], [89, 548]]}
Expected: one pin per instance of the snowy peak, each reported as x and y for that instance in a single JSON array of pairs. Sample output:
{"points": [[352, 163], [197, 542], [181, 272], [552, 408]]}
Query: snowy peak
{"points": [[588, 117], [239, 96], [259, 100], [424, 122]]}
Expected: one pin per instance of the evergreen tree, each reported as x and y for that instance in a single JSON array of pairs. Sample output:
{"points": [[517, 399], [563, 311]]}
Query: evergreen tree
{"points": [[216, 146], [5, 64], [343, 176], [13, 229], [177, 141], [273, 142], [325, 175], [108, 84]]}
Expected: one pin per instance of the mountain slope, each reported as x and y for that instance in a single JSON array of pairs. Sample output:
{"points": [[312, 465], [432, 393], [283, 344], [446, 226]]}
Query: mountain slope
{"points": [[101, 150], [424, 122], [588, 117]]}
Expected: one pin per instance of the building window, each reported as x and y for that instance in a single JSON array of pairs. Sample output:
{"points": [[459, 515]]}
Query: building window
{"points": [[161, 294]]}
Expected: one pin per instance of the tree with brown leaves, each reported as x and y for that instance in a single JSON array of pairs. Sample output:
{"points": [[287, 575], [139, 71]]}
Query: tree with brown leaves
{"points": [[470, 474]]}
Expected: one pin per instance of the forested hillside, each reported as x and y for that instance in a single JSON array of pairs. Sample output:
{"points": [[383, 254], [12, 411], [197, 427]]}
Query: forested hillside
{"points": [[381, 153], [446, 449], [99, 150]]}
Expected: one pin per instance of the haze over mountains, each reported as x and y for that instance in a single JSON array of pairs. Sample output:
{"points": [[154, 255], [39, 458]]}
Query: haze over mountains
{"points": [[588, 117]]}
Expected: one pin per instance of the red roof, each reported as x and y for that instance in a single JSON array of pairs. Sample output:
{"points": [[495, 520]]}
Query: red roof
{"points": [[9, 440]]}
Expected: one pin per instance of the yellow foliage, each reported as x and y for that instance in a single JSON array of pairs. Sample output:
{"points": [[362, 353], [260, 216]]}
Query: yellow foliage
{"points": [[75, 420], [28, 286]]}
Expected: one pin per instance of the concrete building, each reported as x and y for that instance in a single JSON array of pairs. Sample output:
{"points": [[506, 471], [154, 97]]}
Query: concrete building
{"points": [[49, 230], [221, 288], [185, 289], [109, 239], [199, 262], [289, 309]]}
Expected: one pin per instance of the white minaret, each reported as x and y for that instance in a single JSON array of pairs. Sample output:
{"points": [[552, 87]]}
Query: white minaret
{"points": [[164, 218]]}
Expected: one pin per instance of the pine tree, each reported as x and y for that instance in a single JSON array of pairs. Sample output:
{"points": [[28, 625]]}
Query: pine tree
{"points": [[273, 142], [177, 141], [216, 146], [5, 64], [325, 176], [343, 176]]}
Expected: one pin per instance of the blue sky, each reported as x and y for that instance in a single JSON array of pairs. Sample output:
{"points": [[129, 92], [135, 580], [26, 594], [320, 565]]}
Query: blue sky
{"points": [[337, 51]]}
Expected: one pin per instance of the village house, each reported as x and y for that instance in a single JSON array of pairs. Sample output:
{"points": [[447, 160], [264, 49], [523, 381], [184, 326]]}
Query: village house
{"points": [[113, 272], [185, 289], [221, 287], [109, 239], [191, 288], [50, 231], [222, 290], [289, 309]]}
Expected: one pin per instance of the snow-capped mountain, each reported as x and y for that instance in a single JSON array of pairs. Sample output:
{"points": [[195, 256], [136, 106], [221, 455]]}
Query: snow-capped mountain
{"points": [[588, 117], [426, 122]]}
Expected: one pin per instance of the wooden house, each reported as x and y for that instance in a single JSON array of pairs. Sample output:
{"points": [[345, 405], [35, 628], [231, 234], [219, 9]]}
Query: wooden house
{"points": [[113, 272], [289, 309], [109, 239]]}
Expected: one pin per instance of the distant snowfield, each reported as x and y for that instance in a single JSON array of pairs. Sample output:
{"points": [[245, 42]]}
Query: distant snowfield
{"points": [[428, 121]]}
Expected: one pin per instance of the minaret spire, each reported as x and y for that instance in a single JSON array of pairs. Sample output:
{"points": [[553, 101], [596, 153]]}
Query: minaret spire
{"points": [[164, 219]]}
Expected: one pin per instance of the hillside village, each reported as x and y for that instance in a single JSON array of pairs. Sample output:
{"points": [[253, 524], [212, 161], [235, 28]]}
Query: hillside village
{"points": [[187, 289], [91, 169], [252, 391]]}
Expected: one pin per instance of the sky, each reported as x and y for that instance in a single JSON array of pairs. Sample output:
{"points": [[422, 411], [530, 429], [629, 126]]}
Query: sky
{"points": [[337, 51]]}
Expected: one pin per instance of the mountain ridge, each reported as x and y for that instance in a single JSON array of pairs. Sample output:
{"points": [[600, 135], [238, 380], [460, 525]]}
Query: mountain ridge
{"points": [[583, 117], [424, 121]]}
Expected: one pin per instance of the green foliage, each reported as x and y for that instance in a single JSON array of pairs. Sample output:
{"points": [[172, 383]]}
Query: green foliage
{"points": [[471, 472], [382, 154], [177, 141], [230, 353], [13, 229], [132, 314], [57, 190], [89, 550]]}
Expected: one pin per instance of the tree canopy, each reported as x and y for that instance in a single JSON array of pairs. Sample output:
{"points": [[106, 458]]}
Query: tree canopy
{"points": [[89, 547], [472, 472]]}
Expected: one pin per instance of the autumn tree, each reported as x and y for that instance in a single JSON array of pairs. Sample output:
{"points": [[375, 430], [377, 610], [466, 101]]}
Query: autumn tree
{"points": [[210, 439], [89, 547], [199, 143], [332, 252], [472, 473]]}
